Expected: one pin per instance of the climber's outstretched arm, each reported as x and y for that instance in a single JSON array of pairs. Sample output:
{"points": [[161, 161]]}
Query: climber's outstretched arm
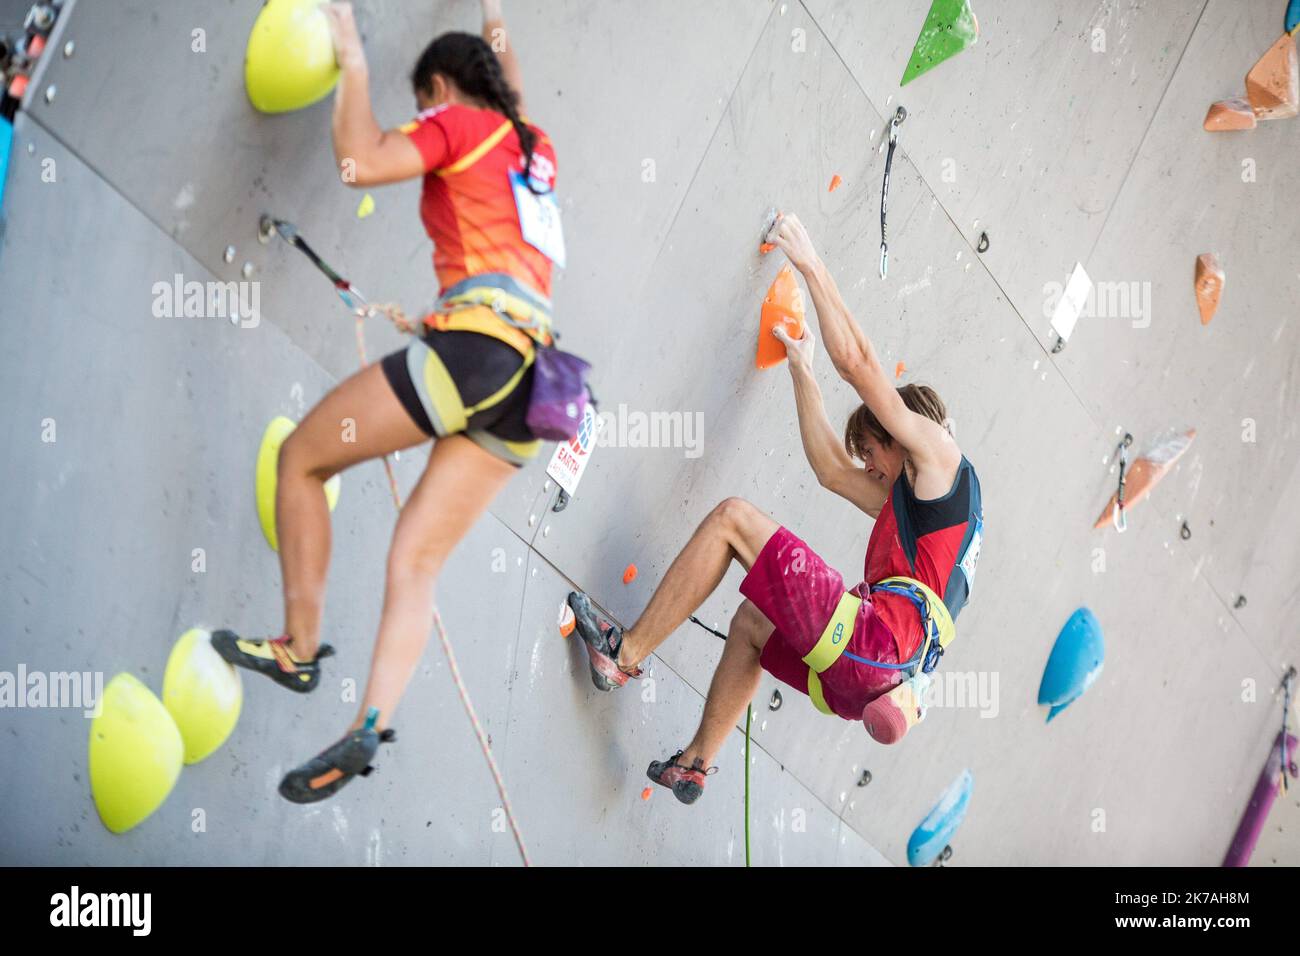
{"points": [[503, 44], [929, 444], [834, 469], [367, 155]]}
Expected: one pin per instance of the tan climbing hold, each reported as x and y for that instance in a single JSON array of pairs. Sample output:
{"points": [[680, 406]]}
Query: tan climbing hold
{"points": [[1209, 285], [1235, 113], [1273, 84]]}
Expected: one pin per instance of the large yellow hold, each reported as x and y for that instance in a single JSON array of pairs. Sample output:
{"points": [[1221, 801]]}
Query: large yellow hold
{"points": [[290, 59], [268, 470], [202, 693], [135, 754]]}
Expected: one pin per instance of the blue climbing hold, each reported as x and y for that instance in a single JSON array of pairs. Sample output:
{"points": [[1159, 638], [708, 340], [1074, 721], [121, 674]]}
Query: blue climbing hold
{"points": [[932, 834], [6, 140], [1076, 660], [1292, 16]]}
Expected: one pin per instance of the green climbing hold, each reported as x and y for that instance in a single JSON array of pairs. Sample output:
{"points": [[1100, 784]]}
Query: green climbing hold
{"points": [[949, 28]]}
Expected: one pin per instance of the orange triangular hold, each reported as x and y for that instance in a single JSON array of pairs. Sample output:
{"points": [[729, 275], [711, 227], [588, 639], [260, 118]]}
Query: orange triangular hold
{"points": [[783, 304], [1146, 472], [1209, 285], [1273, 84], [1235, 113]]}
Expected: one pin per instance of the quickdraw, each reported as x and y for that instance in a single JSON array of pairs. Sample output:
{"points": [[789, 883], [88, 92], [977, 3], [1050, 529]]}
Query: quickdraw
{"points": [[899, 115], [1118, 517]]}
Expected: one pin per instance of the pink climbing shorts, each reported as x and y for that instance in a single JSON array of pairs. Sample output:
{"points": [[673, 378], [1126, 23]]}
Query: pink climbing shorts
{"points": [[798, 592]]}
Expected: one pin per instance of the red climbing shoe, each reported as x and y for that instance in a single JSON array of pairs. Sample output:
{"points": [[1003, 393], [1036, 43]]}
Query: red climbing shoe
{"points": [[603, 641], [686, 783], [272, 658]]}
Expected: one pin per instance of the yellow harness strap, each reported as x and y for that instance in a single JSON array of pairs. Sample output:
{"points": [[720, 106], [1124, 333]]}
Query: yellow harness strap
{"points": [[936, 623], [484, 321], [835, 638], [478, 152]]}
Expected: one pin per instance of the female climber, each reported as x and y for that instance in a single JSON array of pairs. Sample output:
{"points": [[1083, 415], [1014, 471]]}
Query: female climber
{"points": [[844, 648], [487, 175]]}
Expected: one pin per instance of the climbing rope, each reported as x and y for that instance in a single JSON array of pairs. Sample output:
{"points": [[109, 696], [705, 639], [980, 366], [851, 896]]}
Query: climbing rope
{"points": [[482, 737], [749, 722], [1286, 713], [362, 310]]}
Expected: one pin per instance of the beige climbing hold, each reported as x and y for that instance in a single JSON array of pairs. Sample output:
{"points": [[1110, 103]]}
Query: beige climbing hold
{"points": [[1209, 285], [1235, 113], [1273, 84]]}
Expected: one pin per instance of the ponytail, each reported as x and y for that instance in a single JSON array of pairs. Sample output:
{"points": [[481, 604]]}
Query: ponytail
{"points": [[469, 62]]}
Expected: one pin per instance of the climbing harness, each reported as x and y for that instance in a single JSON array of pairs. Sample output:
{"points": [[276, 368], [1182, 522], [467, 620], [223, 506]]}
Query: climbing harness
{"points": [[899, 115], [937, 628], [518, 316], [362, 309], [1118, 517]]}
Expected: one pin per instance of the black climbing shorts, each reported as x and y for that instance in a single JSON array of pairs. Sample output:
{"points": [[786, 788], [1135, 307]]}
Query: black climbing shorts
{"points": [[457, 382]]}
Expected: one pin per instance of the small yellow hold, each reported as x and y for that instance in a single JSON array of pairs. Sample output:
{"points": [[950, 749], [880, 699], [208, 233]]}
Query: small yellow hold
{"points": [[367, 206], [135, 754], [203, 694], [268, 463]]}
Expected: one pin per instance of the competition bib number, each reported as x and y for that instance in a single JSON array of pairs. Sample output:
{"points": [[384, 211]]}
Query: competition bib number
{"points": [[539, 219]]}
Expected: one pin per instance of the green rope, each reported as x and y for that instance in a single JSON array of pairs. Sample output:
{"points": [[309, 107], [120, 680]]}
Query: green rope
{"points": [[749, 719]]}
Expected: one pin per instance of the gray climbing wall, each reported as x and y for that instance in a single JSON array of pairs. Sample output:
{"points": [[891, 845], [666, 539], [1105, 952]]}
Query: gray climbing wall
{"points": [[674, 130]]}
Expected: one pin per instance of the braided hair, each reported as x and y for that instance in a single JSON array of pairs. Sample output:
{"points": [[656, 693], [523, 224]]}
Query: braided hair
{"points": [[469, 62]]}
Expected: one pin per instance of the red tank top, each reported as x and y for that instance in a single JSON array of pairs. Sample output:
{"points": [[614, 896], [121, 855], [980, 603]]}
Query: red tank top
{"points": [[935, 541]]}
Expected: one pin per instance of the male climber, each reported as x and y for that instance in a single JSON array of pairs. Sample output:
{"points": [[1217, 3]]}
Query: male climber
{"points": [[920, 558]]}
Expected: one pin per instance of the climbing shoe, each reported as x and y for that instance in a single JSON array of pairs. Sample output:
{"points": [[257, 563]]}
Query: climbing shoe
{"points": [[686, 783], [272, 658], [325, 774], [603, 641]]}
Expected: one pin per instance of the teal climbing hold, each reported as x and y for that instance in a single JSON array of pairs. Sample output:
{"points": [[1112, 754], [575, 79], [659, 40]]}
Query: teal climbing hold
{"points": [[949, 28], [1076, 661], [1292, 16], [929, 841]]}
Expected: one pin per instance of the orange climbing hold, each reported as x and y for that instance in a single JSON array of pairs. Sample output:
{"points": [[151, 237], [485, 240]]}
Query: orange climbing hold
{"points": [[567, 621], [645, 794], [1209, 285], [1235, 113], [766, 247], [835, 183], [899, 369], [783, 304], [1146, 473], [1273, 83], [629, 575]]}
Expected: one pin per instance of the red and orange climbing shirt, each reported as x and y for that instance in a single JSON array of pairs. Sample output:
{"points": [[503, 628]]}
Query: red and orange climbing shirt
{"points": [[467, 204]]}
